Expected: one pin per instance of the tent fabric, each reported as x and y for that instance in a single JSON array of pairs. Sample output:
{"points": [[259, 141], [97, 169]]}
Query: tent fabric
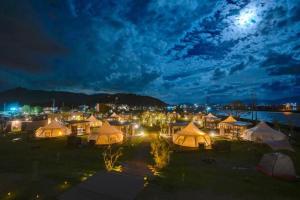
{"points": [[229, 119], [211, 116], [280, 145], [106, 134], [53, 129], [191, 136], [262, 133], [114, 115], [94, 121], [227, 123], [277, 165]]}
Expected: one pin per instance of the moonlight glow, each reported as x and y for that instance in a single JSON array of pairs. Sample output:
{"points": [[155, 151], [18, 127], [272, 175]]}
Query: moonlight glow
{"points": [[247, 18]]}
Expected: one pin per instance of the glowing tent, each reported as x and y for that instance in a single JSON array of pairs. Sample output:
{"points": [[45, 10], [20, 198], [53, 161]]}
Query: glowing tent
{"points": [[263, 133], [229, 119], [211, 117], [94, 122], [211, 121], [53, 129], [106, 134], [114, 115], [226, 123], [191, 136], [277, 165]]}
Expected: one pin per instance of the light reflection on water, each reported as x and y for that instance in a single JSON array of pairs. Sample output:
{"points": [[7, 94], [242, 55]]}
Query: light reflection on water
{"points": [[282, 117]]}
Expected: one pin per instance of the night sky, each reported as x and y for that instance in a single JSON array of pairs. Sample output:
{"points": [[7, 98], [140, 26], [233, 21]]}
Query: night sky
{"points": [[176, 50]]}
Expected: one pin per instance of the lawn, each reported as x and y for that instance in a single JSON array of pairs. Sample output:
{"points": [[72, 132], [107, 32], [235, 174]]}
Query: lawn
{"points": [[232, 176], [46, 167]]}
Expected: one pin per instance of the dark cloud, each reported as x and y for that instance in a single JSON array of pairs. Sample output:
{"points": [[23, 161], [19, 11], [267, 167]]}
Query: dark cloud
{"points": [[174, 77], [237, 68], [23, 45], [296, 13], [292, 69], [297, 81], [276, 86], [275, 59], [220, 89], [281, 64], [218, 74]]}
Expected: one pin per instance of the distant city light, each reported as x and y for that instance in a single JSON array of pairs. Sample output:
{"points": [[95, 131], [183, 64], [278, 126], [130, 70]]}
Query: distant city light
{"points": [[136, 126], [208, 108]]}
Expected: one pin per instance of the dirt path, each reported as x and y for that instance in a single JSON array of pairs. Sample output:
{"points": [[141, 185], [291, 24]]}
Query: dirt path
{"points": [[138, 165]]}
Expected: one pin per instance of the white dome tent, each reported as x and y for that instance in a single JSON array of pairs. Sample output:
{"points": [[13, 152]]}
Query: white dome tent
{"points": [[106, 134], [262, 133], [277, 165], [191, 136], [211, 117], [53, 129], [265, 134]]}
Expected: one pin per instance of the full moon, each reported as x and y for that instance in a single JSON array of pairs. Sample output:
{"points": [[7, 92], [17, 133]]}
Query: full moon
{"points": [[246, 18]]}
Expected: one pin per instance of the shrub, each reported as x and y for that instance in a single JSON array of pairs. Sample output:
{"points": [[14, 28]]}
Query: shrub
{"points": [[111, 157], [160, 149]]}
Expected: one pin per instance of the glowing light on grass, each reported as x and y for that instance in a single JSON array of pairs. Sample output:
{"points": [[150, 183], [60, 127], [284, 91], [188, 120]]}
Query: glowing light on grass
{"points": [[212, 134], [146, 182], [65, 185], [140, 134]]}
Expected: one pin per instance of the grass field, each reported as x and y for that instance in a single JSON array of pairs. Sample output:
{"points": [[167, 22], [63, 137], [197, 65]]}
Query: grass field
{"points": [[232, 176], [48, 167]]}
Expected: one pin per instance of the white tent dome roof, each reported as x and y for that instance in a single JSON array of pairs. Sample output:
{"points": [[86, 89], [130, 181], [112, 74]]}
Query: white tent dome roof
{"points": [[191, 129], [54, 125], [107, 129], [229, 119], [92, 118], [264, 133]]}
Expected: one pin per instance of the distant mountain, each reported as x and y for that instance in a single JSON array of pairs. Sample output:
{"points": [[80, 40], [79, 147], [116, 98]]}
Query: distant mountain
{"points": [[44, 98]]}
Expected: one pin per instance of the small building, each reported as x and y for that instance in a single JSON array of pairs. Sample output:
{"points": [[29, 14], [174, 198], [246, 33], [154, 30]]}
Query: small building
{"points": [[233, 128], [16, 125], [79, 127], [227, 122], [211, 121]]}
